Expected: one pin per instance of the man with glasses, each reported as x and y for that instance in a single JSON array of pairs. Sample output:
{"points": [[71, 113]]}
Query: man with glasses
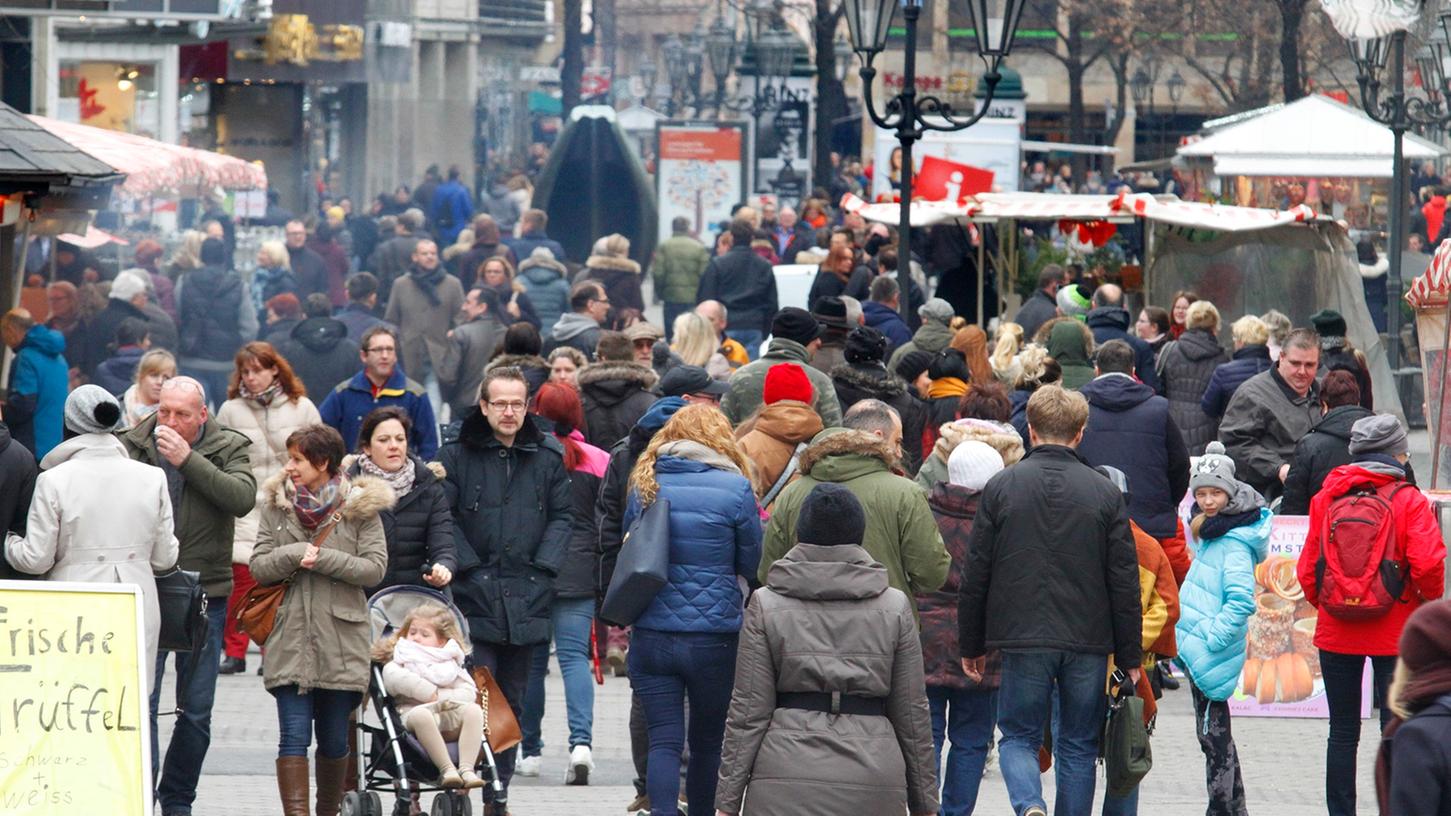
{"points": [[581, 326], [209, 476], [510, 497], [381, 383]]}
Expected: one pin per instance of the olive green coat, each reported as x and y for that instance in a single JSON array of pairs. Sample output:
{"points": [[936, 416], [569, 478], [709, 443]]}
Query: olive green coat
{"points": [[321, 637]]}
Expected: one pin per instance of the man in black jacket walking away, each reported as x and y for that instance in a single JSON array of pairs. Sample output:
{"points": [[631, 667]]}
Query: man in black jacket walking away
{"points": [[745, 284], [1052, 581]]}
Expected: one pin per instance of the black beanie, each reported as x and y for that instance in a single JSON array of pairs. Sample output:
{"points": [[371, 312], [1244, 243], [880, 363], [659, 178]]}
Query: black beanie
{"points": [[831, 515], [912, 364], [865, 345]]}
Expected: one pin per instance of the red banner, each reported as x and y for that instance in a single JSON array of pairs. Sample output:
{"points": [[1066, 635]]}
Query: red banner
{"points": [[943, 180]]}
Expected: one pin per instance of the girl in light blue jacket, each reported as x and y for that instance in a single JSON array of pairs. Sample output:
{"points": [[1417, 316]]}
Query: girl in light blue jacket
{"points": [[1215, 603]]}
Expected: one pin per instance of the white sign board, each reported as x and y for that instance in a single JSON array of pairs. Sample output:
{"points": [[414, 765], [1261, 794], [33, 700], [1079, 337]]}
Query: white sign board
{"points": [[992, 144]]}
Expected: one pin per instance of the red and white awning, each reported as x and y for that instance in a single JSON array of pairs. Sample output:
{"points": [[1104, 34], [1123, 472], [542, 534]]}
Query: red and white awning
{"points": [[1123, 207], [1430, 288]]}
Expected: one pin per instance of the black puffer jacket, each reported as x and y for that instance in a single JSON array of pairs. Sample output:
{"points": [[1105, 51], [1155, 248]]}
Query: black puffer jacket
{"points": [[1324, 448], [1052, 563], [577, 576], [615, 396], [17, 484], [419, 528], [856, 382], [210, 310], [512, 513], [1185, 367], [321, 355]]}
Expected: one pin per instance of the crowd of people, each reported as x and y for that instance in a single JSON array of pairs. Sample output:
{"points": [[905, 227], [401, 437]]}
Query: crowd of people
{"points": [[899, 550]]}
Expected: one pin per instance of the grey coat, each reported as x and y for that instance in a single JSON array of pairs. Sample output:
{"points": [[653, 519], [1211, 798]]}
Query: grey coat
{"points": [[827, 621], [1261, 426], [423, 327], [472, 345], [1185, 367]]}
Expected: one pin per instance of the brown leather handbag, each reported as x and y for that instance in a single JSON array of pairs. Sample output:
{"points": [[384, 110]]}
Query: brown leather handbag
{"points": [[258, 612], [500, 724]]}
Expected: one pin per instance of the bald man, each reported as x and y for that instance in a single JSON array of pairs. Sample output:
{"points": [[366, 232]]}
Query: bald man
{"points": [[1109, 320], [209, 476], [715, 312]]}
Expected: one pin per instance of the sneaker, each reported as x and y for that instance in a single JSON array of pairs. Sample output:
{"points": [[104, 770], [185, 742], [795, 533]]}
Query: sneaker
{"points": [[233, 665], [616, 658], [580, 765], [528, 766], [990, 764], [639, 806], [1035, 811]]}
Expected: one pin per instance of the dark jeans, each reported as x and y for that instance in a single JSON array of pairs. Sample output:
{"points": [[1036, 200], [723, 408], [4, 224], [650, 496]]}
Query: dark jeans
{"points": [[510, 666], [965, 719], [322, 710], [1025, 706], [665, 668], [196, 690], [1342, 674], [672, 311], [1221, 760]]}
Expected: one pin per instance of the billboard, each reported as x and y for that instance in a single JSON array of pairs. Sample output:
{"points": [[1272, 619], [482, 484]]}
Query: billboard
{"points": [[700, 173]]}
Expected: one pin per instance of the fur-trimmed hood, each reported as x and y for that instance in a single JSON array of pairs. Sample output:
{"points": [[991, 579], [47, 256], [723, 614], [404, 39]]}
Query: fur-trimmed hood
{"points": [[366, 496], [518, 360], [841, 444], [606, 262], [607, 371], [874, 380], [1000, 436]]}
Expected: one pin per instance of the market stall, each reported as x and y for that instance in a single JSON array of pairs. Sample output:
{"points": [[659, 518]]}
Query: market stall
{"points": [[1430, 297]]}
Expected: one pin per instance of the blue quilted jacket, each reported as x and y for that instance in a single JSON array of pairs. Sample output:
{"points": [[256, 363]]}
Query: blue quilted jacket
{"points": [[715, 536]]}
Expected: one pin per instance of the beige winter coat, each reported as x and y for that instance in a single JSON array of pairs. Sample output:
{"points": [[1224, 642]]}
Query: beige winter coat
{"points": [[423, 327], [87, 492], [268, 427], [827, 621], [321, 637]]}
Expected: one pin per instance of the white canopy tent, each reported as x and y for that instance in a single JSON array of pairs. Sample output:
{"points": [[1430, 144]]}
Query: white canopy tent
{"points": [[1314, 136]]}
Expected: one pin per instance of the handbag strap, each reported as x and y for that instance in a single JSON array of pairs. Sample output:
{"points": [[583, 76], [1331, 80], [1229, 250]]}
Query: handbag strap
{"points": [[327, 530], [786, 474]]}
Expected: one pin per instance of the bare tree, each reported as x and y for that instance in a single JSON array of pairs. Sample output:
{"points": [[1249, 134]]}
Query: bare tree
{"points": [[830, 94], [572, 71], [1292, 14]]}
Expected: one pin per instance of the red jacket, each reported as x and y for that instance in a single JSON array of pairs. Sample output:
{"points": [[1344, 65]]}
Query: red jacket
{"points": [[1417, 536], [1435, 212]]}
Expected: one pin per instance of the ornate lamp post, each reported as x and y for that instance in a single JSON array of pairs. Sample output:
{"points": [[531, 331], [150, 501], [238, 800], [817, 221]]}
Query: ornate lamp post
{"points": [[1400, 112], [868, 22]]}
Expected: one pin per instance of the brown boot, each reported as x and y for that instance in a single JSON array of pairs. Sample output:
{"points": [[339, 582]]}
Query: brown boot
{"points": [[292, 785], [330, 776]]}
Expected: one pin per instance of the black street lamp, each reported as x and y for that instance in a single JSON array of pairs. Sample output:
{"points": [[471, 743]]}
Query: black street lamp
{"points": [[720, 46], [673, 53], [1176, 85], [868, 22], [842, 54], [1400, 113]]}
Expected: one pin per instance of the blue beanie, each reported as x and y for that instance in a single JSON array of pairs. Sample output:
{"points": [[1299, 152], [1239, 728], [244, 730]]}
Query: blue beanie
{"points": [[660, 413]]}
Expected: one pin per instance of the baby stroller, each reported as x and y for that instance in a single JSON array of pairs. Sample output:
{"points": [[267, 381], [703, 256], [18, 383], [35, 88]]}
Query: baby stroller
{"points": [[394, 759]]}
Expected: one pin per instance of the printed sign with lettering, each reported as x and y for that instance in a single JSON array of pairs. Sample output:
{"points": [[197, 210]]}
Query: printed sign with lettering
{"points": [[74, 721]]}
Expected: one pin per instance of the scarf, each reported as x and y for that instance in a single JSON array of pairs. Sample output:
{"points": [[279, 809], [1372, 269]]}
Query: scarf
{"points": [[314, 508], [401, 480], [263, 399], [427, 282], [946, 387], [1217, 525]]}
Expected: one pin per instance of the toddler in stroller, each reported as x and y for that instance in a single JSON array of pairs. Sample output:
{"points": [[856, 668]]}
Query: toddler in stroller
{"points": [[436, 697]]}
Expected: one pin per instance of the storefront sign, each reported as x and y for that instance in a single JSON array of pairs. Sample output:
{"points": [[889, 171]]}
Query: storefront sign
{"points": [[74, 718], [701, 173]]}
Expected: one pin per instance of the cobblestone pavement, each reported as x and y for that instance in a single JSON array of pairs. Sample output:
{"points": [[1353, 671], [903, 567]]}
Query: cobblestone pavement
{"points": [[1283, 760]]}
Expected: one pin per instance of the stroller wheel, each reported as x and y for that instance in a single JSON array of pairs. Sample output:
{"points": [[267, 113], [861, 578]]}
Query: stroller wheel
{"points": [[443, 805], [375, 804], [462, 806], [354, 804]]}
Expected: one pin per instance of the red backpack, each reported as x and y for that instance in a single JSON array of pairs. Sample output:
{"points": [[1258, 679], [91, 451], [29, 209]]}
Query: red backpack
{"points": [[1359, 575]]}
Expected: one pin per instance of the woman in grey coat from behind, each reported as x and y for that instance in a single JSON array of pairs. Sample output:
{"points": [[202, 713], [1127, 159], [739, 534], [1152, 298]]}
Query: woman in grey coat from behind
{"points": [[829, 713]]}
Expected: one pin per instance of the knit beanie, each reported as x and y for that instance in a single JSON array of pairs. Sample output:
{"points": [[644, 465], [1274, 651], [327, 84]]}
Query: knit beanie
{"points": [[865, 345], [972, 463], [1381, 433], [912, 364], [1330, 325], [1214, 469], [1426, 638], [1072, 302], [786, 381], [796, 325], [91, 409], [831, 515]]}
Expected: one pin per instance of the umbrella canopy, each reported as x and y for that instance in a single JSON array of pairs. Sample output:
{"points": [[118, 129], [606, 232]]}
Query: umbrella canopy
{"points": [[153, 167]]}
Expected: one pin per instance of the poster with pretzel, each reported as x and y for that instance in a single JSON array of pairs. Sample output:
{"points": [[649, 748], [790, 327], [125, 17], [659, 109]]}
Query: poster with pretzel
{"points": [[1281, 676]]}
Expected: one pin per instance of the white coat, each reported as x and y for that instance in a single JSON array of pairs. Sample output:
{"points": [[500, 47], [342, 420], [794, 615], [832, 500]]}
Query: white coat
{"points": [[268, 428], [99, 517]]}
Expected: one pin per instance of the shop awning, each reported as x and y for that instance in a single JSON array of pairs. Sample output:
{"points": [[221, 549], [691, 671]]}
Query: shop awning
{"points": [[1123, 207], [541, 102], [156, 168]]}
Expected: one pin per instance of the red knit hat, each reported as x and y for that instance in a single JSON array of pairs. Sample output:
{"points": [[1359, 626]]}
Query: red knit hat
{"points": [[786, 381]]}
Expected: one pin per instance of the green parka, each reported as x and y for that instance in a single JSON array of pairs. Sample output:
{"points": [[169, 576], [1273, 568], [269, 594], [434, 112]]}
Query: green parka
{"points": [[679, 262]]}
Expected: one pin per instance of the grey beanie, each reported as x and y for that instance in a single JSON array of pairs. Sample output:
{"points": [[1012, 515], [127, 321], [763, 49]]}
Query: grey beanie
{"points": [[1381, 433], [92, 409], [1214, 469]]}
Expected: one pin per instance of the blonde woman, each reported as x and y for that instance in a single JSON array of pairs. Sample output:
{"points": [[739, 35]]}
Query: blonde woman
{"points": [[697, 344], [272, 277], [687, 637], [1185, 368], [188, 255], [565, 364], [1004, 360], [498, 274], [142, 398]]}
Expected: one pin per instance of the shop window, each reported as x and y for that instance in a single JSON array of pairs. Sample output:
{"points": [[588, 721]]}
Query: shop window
{"points": [[111, 95]]}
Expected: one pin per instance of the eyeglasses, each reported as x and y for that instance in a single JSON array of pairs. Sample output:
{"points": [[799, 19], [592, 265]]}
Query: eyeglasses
{"points": [[605, 301], [382, 350], [508, 407]]}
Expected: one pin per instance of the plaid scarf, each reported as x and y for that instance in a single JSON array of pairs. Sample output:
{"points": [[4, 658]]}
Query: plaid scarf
{"points": [[401, 480], [314, 508]]}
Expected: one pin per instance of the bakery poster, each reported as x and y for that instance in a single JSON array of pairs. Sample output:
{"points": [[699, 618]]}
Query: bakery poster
{"points": [[1281, 675]]}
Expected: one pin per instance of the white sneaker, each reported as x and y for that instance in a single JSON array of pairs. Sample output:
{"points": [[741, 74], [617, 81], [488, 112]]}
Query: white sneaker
{"points": [[581, 762], [991, 763], [527, 766]]}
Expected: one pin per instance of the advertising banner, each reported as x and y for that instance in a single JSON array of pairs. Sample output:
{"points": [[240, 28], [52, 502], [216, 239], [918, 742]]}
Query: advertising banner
{"points": [[701, 173], [74, 719]]}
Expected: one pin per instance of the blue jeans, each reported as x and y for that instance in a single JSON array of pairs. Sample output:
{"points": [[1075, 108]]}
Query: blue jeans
{"points": [[750, 338], [572, 619], [323, 710], [1025, 705], [196, 690], [665, 668], [964, 717]]}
